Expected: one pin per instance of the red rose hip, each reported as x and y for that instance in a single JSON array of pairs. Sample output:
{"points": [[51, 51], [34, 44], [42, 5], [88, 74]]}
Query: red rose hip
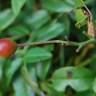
{"points": [[7, 47]]}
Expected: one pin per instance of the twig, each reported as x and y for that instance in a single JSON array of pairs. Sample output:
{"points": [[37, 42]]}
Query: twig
{"points": [[50, 42], [84, 43], [88, 61], [90, 14], [29, 81], [68, 43]]}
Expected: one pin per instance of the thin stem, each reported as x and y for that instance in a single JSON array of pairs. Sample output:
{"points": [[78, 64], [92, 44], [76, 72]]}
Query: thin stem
{"points": [[88, 61], [69, 43], [88, 41], [90, 14], [85, 43], [49, 42], [29, 81]]}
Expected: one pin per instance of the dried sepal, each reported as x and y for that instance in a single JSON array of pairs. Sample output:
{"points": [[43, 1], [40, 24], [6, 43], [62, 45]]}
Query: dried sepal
{"points": [[91, 31]]}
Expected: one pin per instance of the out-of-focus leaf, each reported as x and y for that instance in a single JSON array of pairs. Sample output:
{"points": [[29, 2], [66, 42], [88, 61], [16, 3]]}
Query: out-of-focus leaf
{"points": [[94, 85], [49, 47], [6, 18], [19, 87], [42, 69], [80, 17], [79, 78], [50, 90], [2, 63], [37, 54], [17, 5], [85, 93], [65, 20], [88, 1], [61, 5], [12, 68], [49, 32], [38, 19], [30, 5], [58, 5], [79, 3], [18, 30]]}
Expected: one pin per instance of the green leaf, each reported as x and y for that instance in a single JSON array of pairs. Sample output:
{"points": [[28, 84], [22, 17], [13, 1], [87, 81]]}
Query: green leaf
{"points": [[37, 54], [30, 5], [50, 90], [65, 20], [19, 87], [58, 5], [18, 30], [85, 93], [42, 69], [6, 18], [49, 32], [17, 5], [62, 5], [80, 17], [49, 47], [94, 85], [38, 19], [79, 3], [12, 68], [2, 64], [79, 78]]}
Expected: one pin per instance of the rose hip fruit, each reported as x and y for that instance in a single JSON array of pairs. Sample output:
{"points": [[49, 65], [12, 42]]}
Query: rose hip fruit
{"points": [[7, 47]]}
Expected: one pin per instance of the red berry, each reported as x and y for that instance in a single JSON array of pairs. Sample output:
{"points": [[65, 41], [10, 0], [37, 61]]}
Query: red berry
{"points": [[7, 47]]}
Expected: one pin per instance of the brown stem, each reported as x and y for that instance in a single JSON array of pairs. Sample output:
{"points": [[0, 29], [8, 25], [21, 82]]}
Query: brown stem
{"points": [[88, 11], [68, 43], [50, 42]]}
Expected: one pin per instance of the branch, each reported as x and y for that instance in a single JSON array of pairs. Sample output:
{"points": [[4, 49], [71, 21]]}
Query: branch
{"points": [[50, 42], [68, 43]]}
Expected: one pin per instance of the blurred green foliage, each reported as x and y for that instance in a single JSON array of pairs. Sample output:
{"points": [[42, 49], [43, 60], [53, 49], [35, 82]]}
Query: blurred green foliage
{"points": [[48, 69]]}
